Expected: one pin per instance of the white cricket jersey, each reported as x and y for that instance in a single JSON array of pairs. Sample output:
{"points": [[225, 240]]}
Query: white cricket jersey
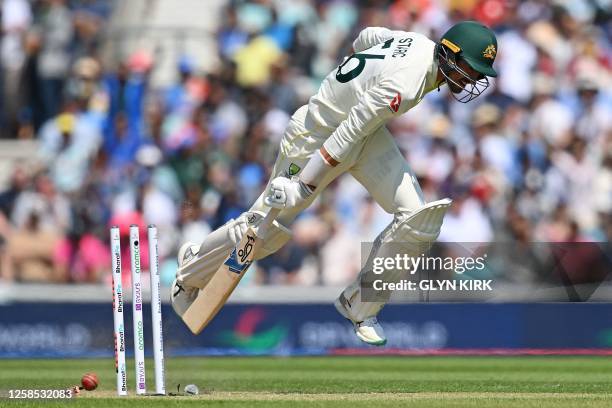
{"points": [[389, 73]]}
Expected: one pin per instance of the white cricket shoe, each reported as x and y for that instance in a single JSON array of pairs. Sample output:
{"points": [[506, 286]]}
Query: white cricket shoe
{"points": [[181, 295], [368, 330]]}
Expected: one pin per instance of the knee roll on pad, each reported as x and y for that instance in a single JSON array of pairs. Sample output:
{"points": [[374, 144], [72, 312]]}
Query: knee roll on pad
{"points": [[422, 225], [413, 232]]}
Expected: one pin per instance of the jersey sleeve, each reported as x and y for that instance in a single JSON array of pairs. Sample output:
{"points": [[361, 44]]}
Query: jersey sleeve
{"points": [[390, 97], [371, 36], [379, 104]]}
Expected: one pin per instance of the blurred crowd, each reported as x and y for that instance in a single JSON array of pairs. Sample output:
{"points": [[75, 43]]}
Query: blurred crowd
{"points": [[531, 160]]}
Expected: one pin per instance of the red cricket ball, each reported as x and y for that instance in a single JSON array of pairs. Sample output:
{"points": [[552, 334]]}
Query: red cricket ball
{"points": [[89, 381]]}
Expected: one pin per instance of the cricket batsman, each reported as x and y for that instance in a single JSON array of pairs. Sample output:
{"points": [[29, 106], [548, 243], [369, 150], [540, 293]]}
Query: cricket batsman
{"points": [[342, 129]]}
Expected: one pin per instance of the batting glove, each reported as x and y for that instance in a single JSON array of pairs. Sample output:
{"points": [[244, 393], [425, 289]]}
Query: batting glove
{"points": [[287, 193]]}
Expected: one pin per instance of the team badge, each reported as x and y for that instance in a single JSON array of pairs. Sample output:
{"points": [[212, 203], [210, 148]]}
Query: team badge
{"points": [[489, 52], [293, 169]]}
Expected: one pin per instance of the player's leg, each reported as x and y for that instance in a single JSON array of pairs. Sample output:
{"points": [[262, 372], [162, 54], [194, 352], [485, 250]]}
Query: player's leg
{"points": [[198, 263], [217, 244], [384, 172]]}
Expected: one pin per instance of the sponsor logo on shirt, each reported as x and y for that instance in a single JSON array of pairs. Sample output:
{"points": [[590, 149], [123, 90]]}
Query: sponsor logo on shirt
{"points": [[395, 103]]}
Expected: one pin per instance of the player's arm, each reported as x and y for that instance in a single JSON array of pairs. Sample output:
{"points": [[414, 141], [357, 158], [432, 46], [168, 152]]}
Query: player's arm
{"points": [[376, 106]]}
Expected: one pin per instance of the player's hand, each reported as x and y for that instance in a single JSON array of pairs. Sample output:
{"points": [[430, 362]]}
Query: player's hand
{"points": [[286, 193]]}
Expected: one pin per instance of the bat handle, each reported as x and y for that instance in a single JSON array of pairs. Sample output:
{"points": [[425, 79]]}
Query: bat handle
{"points": [[267, 221]]}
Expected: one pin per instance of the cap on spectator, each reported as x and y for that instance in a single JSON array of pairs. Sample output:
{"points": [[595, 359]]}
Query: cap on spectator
{"points": [[486, 114], [140, 61], [148, 156], [185, 65], [543, 35], [543, 85], [585, 83], [439, 126], [65, 122], [86, 67]]}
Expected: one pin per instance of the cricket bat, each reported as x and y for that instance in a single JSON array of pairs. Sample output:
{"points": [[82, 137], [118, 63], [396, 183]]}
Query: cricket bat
{"points": [[213, 296]]}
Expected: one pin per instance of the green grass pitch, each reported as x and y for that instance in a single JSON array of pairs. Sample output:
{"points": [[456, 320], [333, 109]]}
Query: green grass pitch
{"points": [[333, 382]]}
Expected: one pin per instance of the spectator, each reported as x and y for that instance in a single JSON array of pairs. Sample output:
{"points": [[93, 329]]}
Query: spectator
{"points": [[55, 29], [20, 180], [68, 142], [39, 217], [16, 20], [44, 208]]}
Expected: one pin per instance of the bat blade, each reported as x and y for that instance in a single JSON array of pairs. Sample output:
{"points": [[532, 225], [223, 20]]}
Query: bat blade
{"points": [[213, 296]]}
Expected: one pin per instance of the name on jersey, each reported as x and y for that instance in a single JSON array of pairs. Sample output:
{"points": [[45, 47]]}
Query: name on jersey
{"points": [[402, 47]]}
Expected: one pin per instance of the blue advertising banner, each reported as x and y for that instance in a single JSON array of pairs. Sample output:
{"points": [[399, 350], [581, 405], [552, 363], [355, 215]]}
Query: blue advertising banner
{"points": [[86, 329]]}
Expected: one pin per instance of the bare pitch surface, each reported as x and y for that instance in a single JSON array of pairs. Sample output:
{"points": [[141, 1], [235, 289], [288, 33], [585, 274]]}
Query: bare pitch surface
{"points": [[336, 381]]}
